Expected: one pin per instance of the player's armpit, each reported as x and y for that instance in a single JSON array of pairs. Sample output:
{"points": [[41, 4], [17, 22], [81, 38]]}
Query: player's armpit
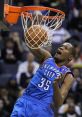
{"points": [[68, 81], [41, 54]]}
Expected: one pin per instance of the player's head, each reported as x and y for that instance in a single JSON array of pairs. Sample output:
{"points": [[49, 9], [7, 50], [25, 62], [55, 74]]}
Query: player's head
{"points": [[65, 53]]}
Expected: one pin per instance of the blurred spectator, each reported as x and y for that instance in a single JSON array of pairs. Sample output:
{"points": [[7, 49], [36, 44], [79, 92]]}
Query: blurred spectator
{"points": [[15, 36], [60, 4], [13, 92], [76, 74], [20, 4], [29, 67], [36, 2], [25, 77], [5, 97], [10, 52], [79, 91], [63, 6], [1, 42], [76, 22], [60, 35], [1, 45], [54, 3], [45, 2], [78, 4], [75, 40], [12, 49], [77, 59], [3, 112], [25, 2], [13, 88], [24, 80], [69, 109]]}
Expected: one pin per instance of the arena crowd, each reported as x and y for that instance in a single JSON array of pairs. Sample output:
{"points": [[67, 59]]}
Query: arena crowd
{"points": [[18, 64]]}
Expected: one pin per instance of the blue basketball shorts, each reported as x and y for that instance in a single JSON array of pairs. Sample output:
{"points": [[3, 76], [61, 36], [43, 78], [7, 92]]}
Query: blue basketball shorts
{"points": [[31, 107]]}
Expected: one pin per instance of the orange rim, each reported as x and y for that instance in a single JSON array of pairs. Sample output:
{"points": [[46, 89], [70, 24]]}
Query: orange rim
{"points": [[12, 13], [41, 8]]}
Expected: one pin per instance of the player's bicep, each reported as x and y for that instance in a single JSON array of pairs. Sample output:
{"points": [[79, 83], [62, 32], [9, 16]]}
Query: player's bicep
{"points": [[69, 79], [41, 54]]}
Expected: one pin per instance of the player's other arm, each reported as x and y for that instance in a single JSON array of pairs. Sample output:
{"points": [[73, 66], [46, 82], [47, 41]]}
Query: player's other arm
{"points": [[61, 93], [41, 54]]}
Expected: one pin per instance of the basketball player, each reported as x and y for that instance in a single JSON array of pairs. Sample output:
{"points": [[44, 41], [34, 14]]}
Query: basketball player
{"points": [[41, 94]]}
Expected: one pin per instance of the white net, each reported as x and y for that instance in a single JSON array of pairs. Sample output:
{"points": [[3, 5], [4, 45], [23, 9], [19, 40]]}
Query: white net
{"points": [[44, 21]]}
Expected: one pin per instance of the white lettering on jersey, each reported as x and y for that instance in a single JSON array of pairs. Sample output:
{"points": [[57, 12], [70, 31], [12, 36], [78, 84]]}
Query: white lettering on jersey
{"points": [[51, 71]]}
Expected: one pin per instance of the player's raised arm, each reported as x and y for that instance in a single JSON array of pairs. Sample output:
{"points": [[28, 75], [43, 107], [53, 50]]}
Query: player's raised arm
{"points": [[61, 93], [41, 54], [36, 36]]}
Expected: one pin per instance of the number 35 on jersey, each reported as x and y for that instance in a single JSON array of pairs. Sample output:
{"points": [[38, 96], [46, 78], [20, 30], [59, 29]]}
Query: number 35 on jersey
{"points": [[45, 84]]}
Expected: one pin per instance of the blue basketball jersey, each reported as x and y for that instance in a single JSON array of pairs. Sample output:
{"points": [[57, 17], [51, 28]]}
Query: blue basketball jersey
{"points": [[41, 85]]}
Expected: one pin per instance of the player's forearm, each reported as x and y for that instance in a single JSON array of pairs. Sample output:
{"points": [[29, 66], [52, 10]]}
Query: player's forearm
{"points": [[57, 96], [41, 54], [68, 81], [38, 53]]}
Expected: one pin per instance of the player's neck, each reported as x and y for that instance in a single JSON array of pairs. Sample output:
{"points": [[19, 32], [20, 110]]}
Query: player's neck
{"points": [[59, 64]]}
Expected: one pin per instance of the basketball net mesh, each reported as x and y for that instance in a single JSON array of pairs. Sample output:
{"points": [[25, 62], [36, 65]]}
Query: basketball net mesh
{"points": [[43, 21]]}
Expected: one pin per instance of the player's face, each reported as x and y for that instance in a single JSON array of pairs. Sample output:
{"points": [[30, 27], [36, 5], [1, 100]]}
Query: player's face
{"points": [[63, 52]]}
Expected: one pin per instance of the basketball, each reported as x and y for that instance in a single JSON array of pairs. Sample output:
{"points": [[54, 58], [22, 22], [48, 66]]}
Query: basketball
{"points": [[36, 36]]}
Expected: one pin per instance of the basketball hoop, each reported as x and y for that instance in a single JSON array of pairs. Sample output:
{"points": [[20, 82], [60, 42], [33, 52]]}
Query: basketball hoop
{"points": [[48, 18]]}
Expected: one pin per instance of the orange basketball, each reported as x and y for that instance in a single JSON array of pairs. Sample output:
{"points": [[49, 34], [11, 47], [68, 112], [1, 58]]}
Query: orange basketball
{"points": [[36, 36]]}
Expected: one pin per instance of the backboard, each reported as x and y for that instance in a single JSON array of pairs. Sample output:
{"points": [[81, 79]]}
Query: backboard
{"points": [[3, 26]]}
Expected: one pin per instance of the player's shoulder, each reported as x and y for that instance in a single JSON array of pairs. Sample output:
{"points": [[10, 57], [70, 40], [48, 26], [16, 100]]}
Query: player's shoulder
{"points": [[49, 63], [49, 60], [66, 70]]}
